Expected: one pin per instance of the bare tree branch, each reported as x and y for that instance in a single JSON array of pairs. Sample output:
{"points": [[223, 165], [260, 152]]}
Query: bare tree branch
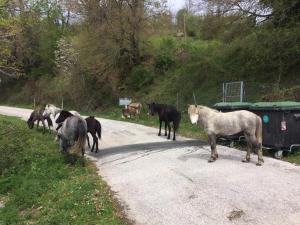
{"points": [[253, 13]]}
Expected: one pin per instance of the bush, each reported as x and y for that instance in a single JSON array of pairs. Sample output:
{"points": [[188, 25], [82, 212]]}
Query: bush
{"points": [[164, 55], [140, 77]]}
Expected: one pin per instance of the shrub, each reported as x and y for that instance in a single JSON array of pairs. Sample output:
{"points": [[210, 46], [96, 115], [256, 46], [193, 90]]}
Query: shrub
{"points": [[140, 77]]}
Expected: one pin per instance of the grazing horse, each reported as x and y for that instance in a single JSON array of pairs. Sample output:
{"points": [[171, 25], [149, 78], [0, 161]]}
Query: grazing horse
{"points": [[93, 127], [135, 108], [73, 135], [166, 114], [217, 124], [37, 115], [63, 115], [132, 109]]}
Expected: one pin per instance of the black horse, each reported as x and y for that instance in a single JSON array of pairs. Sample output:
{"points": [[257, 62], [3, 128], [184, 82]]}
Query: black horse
{"points": [[166, 114], [93, 127], [37, 115]]}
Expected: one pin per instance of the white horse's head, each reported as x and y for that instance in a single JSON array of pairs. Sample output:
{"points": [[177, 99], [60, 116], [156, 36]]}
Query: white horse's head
{"points": [[51, 109], [193, 113]]}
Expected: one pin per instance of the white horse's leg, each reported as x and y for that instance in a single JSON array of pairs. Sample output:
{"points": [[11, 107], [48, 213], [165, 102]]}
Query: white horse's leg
{"points": [[252, 142], [260, 155]]}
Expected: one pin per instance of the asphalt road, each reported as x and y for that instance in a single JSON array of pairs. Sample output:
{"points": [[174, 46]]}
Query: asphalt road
{"points": [[165, 182]]}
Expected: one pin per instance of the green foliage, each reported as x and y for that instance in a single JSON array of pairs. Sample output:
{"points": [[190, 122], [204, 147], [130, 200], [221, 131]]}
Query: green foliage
{"points": [[38, 185], [164, 56], [142, 54], [140, 77]]}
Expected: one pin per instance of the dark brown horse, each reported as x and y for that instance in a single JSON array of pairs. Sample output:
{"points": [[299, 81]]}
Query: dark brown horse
{"points": [[94, 128], [37, 115], [167, 114]]}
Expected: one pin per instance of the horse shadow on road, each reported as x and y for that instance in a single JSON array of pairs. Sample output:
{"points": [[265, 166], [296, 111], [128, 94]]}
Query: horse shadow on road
{"points": [[197, 150], [149, 147]]}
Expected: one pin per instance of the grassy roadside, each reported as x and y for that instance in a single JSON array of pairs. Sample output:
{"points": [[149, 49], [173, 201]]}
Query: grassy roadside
{"points": [[39, 186]]}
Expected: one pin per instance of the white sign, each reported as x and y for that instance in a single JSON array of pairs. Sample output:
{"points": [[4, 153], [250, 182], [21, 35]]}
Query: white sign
{"points": [[283, 125], [124, 101]]}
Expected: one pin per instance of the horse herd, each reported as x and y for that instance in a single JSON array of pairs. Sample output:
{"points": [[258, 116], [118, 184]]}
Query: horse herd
{"points": [[72, 129]]}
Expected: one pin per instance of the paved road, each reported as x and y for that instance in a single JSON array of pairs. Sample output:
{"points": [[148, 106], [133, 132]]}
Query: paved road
{"points": [[171, 183]]}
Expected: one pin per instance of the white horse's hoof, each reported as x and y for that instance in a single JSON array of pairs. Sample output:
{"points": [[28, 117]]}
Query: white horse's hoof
{"points": [[245, 160], [211, 160]]}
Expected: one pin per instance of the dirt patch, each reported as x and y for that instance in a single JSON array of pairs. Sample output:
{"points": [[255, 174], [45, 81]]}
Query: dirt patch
{"points": [[235, 214]]}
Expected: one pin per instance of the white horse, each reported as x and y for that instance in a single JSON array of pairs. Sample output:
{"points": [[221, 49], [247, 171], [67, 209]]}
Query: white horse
{"points": [[53, 110], [217, 124]]}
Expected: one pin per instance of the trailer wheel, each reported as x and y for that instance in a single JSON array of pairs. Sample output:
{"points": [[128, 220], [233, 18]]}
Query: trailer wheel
{"points": [[278, 154]]}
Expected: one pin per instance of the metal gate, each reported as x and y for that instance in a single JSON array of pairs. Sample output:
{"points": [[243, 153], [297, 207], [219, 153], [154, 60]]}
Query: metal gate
{"points": [[233, 91]]}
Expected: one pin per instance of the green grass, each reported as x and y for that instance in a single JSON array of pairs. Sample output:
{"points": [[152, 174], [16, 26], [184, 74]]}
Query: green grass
{"points": [[38, 185]]}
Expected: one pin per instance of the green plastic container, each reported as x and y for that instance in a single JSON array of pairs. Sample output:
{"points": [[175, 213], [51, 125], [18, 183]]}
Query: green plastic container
{"points": [[231, 106], [281, 123]]}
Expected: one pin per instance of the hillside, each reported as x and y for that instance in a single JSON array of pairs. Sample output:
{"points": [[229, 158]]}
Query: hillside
{"points": [[139, 50]]}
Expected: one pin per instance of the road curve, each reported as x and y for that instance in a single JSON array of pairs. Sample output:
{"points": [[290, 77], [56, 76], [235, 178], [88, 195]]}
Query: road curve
{"points": [[165, 182]]}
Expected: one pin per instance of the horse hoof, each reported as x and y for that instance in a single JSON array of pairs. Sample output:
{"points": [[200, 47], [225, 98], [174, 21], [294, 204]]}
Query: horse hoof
{"points": [[259, 164], [211, 160], [245, 160], [158, 134]]}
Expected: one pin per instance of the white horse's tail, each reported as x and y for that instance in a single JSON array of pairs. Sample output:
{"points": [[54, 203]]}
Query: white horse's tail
{"points": [[80, 143], [258, 131]]}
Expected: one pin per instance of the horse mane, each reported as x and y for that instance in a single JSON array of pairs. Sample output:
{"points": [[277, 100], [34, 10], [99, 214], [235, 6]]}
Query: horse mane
{"points": [[207, 108], [63, 116]]}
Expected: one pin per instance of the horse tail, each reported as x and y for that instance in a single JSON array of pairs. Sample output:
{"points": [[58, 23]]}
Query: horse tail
{"points": [[99, 130], [258, 130], [81, 134], [177, 121]]}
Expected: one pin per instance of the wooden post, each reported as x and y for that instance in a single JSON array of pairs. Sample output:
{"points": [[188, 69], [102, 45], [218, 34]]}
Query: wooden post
{"points": [[194, 98], [184, 26], [34, 101], [177, 102], [62, 102]]}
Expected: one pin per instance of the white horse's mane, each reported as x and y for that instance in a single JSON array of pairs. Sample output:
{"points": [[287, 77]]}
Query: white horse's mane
{"points": [[206, 108], [51, 105]]}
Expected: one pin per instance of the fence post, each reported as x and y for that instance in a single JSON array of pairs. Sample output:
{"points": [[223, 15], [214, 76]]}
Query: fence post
{"points": [[242, 91], [194, 98], [177, 102], [223, 92], [34, 101], [62, 102]]}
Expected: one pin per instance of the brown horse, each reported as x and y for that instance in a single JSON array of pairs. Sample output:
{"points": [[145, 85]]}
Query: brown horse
{"points": [[133, 109], [37, 115]]}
